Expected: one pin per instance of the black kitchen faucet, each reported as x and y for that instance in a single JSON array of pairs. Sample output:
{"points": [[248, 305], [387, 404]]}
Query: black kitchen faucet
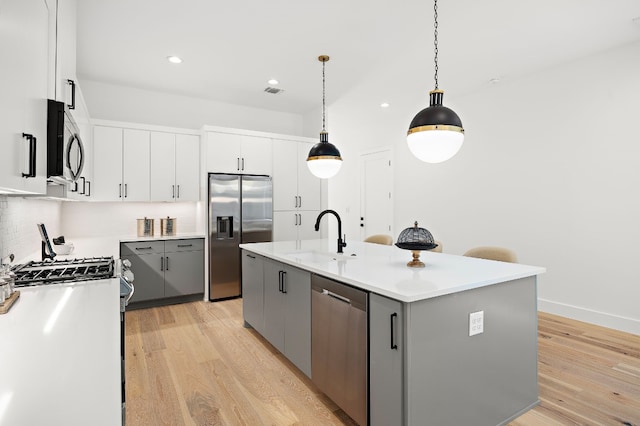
{"points": [[341, 243]]}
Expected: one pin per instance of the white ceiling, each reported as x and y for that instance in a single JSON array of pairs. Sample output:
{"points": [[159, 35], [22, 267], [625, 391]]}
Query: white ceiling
{"points": [[231, 48]]}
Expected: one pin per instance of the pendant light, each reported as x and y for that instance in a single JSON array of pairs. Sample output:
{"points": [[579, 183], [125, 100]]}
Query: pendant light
{"points": [[324, 159], [435, 133]]}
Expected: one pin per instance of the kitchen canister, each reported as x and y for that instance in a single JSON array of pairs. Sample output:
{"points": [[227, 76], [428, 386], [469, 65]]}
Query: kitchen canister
{"points": [[168, 226], [145, 227]]}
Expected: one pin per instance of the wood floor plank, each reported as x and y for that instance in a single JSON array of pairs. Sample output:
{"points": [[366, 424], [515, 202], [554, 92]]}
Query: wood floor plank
{"points": [[196, 364]]}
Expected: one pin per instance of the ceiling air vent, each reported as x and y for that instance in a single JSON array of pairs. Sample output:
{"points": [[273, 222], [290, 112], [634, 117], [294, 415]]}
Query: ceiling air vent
{"points": [[273, 90]]}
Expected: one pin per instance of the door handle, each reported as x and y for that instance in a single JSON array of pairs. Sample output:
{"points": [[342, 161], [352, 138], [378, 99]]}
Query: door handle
{"points": [[394, 345], [161, 263], [284, 282], [73, 94], [173, 191], [178, 195], [125, 190], [166, 264], [119, 190], [280, 281], [32, 155], [300, 203], [238, 163], [88, 194], [299, 219], [242, 163]]}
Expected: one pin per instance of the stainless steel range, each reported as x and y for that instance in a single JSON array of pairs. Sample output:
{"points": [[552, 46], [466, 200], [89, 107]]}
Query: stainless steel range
{"points": [[61, 271]]}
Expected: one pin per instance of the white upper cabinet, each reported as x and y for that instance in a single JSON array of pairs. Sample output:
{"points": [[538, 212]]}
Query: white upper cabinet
{"points": [[187, 167], [66, 89], [174, 167], [296, 192], [121, 164], [135, 165], [24, 47], [235, 153], [107, 163], [294, 187]]}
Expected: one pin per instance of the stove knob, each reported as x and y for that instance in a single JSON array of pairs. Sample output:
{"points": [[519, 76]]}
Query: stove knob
{"points": [[126, 263]]}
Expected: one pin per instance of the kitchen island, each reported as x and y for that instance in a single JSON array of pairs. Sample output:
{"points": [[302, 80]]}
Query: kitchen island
{"points": [[429, 359], [60, 355]]}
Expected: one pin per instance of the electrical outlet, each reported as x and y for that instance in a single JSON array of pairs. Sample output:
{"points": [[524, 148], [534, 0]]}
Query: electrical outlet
{"points": [[476, 323]]}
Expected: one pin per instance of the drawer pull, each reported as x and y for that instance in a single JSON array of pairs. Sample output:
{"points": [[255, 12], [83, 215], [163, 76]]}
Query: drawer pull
{"points": [[143, 248], [185, 245]]}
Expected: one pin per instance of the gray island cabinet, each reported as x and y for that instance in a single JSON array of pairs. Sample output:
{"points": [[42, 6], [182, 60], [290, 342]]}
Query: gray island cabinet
{"points": [[453, 343]]}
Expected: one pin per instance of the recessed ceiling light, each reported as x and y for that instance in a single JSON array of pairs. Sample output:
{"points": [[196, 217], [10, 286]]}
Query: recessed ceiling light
{"points": [[174, 59], [384, 105], [273, 81]]}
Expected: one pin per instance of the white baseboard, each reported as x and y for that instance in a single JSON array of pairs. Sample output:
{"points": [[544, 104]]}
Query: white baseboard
{"points": [[628, 325]]}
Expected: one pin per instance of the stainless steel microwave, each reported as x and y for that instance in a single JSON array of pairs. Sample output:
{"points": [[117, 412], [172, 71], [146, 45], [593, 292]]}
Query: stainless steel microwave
{"points": [[65, 152]]}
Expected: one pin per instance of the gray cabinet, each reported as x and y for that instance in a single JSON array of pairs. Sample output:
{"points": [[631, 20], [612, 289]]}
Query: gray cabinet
{"points": [[386, 353], [277, 303], [253, 290], [165, 268]]}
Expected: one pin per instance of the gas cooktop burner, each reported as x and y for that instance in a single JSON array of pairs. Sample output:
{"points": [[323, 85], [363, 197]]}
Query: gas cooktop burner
{"points": [[61, 271]]}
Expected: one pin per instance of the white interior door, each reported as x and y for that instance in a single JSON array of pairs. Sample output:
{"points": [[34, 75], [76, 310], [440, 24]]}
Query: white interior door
{"points": [[376, 201]]}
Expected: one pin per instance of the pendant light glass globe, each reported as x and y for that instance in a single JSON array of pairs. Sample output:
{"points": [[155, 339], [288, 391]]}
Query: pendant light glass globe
{"points": [[324, 160]]}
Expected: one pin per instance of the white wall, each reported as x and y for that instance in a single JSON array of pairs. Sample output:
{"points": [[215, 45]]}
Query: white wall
{"points": [[548, 168], [121, 103]]}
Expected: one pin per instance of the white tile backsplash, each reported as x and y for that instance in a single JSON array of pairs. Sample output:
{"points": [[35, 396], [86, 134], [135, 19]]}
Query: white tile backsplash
{"points": [[18, 218]]}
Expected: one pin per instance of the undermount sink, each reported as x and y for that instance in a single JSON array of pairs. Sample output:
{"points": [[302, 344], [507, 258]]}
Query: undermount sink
{"points": [[319, 256]]}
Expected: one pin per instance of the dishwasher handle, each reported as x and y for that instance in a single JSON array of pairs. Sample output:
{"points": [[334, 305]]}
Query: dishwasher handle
{"points": [[336, 296]]}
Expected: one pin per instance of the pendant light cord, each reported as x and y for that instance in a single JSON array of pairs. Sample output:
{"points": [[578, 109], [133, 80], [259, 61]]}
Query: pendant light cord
{"points": [[435, 41], [323, 105]]}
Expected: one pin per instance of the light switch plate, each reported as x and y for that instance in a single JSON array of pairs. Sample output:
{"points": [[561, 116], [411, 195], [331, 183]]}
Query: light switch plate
{"points": [[476, 323]]}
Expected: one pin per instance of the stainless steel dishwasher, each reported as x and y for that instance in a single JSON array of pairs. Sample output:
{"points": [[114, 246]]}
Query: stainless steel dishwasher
{"points": [[339, 344]]}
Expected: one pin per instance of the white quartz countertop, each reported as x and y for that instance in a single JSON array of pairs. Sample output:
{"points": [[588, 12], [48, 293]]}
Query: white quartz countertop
{"points": [[60, 356], [382, 269]]}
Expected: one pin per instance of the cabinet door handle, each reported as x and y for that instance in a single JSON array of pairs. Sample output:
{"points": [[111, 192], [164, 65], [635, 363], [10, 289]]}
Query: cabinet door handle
{"points": [[173, 191], [251, 256], [143, 248], [32, 155], [88, 194], [73, 94], [84, 186], [284, 282], [185, 245], [238, 163], [125, 190], [394, 345], [166, 264], [300, 203], [280, 281], [119, 190], [242, 163], [161, 263], [178, 191]]}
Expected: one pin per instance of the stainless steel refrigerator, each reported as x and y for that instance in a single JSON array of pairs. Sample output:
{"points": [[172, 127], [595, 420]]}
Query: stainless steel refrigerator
{"points": [[240, 211]]}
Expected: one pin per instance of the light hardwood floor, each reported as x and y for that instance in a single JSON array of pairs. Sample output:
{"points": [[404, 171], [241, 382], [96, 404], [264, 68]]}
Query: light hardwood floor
{"points": [[195, 364]]}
